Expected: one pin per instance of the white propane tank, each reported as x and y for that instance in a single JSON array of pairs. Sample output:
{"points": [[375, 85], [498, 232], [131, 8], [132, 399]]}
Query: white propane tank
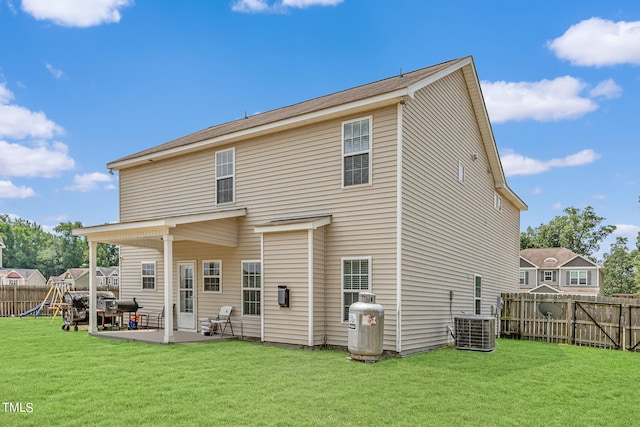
{"points": [[366, 328]]}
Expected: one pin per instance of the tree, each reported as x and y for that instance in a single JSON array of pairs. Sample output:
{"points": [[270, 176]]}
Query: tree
{"points": [[579, 231], [72, 250], [619, 269]]}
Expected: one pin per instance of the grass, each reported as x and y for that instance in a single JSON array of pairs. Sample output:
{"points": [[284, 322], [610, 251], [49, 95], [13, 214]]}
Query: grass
{"points": [[72, 379]]}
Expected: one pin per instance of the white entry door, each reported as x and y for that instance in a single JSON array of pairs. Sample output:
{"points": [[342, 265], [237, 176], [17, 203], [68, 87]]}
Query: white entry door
{"points": [[187, 290]]}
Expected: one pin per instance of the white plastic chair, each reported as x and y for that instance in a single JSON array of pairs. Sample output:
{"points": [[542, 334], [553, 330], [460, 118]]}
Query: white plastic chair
{"points": [[223, 320]]}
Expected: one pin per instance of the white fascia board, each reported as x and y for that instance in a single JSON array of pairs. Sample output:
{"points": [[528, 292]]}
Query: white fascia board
{"points": [[299, 226], [411, 90], [386, 98]]}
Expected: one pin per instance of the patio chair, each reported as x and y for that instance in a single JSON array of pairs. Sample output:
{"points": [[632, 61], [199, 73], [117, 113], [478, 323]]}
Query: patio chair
{"points": [[223, 320]]}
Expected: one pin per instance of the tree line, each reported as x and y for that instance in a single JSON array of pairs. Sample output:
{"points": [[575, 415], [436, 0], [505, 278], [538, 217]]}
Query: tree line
{"points": [[28, 245], [580, 230]]}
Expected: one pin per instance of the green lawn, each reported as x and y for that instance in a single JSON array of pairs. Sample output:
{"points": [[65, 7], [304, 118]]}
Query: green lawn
{"points": [[69, 378]]}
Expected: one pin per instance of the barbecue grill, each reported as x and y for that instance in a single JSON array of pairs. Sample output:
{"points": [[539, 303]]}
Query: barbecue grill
{"points": [[75, 308]]}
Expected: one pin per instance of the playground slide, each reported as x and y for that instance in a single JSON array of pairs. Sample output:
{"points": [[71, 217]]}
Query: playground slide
{"points": [[36, 309]]}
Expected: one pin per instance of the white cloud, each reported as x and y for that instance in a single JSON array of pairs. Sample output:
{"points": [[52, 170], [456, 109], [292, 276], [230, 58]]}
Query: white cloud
{"points": [[517, 164], [18, 122], [45, 160], [9, 191], [5, 94], [537, 190], [55, 72], [599, 42], [600, 196], [254, 6], [546, 100], [628, 231], [91, 181], [606, 89], [76, 13], [557, 206]]}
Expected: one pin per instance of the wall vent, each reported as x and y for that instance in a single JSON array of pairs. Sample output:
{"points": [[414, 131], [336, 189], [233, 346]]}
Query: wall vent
{"points": [[475, 332]]}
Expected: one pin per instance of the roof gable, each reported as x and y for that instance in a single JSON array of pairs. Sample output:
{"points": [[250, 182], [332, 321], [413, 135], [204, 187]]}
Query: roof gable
{"points": [[547, 257]]}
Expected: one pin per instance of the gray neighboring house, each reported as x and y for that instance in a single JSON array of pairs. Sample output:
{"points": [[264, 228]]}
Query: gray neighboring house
{"points": [[394, 187], [559, 270], [79, 277], [21, 277]]}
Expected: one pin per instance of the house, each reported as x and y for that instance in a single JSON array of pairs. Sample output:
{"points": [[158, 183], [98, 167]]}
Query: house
{"points": [[21, 277], [559, 270], [78, 278], [394, 187]]}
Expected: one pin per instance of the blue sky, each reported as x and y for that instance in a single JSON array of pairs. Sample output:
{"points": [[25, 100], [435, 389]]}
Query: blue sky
{"points": [[85, 82]]}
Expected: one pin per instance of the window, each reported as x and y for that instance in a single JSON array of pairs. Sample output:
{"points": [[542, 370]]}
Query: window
{"points": [[523, 278], [251, 287], [356, 273], [224, 176], [356, 151], [460, 171], [497, 201], [212, 276], [548, 276], [13, 282], [478, 294], [115, 281], [148, 275], [578, 277]]}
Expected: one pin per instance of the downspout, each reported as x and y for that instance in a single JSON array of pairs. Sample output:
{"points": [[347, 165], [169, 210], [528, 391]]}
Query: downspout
{"points": [[310, 279], [399, 230]]}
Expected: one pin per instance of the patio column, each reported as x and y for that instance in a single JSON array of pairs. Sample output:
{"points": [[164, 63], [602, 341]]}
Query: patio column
{"points": [[168, 288], [93, 317]]}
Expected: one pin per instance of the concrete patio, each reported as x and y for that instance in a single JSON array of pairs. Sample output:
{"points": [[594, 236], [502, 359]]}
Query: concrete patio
{"points": [[156, 336]]}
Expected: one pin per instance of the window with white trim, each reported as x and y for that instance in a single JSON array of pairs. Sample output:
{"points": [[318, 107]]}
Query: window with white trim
{"points": [[251, 287], [548, 276], [13, 282], [212, 276], [497, 201], [460, 171], [578, 277], [225, 174], [523, 278], [148, 275], [356, 277], [477, 294], [356, 152]]}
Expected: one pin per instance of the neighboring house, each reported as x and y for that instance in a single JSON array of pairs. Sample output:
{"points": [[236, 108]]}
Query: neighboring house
{"points": [[78, 278], [559, 270], [394, 187], [21, 277]]}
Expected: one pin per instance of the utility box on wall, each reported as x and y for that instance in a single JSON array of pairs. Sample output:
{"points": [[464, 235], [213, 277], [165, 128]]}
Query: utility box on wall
{"points": [[283, 296]]}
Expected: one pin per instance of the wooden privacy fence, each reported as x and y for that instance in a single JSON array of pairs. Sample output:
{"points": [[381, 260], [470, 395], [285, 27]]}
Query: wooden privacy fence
{"points": [[595, 321], [18, 299]]}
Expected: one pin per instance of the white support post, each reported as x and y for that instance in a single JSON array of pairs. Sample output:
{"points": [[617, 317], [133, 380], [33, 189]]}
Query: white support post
{"points": [[168, 288], [93, 315]]}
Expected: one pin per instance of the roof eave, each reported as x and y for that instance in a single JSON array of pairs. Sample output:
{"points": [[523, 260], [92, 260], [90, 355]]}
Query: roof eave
{"points": [[376, 101]]}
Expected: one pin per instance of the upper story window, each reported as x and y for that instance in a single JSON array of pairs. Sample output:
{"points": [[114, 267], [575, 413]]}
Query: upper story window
{"points": [[548, 276], [578, 277], [13, 282], [225, 173], [148, 275], [356, 152], [460, 171], [524, 278], [497, 201]]}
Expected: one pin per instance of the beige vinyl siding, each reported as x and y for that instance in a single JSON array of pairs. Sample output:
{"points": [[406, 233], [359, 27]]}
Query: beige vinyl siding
{"points": [[285, 262], [319, 288], [289, 174], [450, 229], [183, 185]]}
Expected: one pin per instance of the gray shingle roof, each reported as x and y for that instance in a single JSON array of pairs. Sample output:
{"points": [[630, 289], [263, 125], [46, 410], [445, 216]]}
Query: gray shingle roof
{"points": [[380, 87]]}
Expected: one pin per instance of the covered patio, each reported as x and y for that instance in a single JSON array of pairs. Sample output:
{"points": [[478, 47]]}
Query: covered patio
{"points": [[159, 234]]}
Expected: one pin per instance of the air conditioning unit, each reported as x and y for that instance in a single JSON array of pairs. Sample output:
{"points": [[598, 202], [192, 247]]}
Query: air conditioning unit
{"points": [[475, 332]]}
